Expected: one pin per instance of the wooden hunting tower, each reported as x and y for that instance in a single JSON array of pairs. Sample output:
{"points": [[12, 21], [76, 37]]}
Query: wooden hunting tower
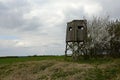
{"points": [[76, 31], [76, 36]]}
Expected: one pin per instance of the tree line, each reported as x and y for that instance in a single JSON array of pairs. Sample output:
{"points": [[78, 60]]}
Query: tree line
{"points": [[103, 37]]}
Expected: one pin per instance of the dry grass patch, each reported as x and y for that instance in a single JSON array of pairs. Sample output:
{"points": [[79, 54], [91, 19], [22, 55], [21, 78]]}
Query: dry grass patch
{"points": [[59, 70]]}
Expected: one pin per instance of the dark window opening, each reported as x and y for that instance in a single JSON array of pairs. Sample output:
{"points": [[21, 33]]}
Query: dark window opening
{"points": [[80, 27], [70, 28]]}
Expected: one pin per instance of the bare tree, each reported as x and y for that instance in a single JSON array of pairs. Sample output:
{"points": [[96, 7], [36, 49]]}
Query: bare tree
{"points": [[98, 35], [114, 32]]}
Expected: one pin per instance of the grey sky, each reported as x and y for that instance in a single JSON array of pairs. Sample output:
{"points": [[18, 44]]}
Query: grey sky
{"points": [[29, 27]]}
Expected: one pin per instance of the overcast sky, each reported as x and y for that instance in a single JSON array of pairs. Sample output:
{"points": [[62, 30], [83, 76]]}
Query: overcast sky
{"points": [[37, 27]]}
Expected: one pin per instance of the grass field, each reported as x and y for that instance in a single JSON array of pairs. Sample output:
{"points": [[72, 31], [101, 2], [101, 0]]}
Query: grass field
{"points": [[9, 60], [56, 68]]}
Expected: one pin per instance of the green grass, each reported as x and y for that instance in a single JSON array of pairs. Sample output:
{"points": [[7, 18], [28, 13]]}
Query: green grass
{"points": [[9, 60], [24, 59]]}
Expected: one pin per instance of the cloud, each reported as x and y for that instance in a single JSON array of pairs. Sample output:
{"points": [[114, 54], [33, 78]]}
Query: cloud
{"points": [[40, 25], [92, 9], [110, 8]]}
